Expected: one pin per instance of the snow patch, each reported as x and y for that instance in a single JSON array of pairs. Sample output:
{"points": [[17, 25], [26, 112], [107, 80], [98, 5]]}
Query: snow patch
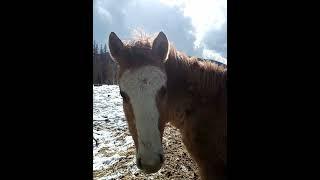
{"points": [[109, 130]]}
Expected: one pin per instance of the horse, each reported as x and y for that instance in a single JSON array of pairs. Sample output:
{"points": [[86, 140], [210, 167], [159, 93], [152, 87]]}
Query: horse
{"points": [[161, 85]]}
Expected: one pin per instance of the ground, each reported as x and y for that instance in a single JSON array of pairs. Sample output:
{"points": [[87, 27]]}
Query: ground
{"points": [[113, 147]]}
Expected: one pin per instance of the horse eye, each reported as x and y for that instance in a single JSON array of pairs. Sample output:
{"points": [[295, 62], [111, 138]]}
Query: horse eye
{"points": [[163, 91], [124, 96]]}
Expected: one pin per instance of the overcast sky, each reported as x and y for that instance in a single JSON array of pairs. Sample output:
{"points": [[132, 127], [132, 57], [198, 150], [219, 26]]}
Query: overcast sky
{"points": [[196, 27]]}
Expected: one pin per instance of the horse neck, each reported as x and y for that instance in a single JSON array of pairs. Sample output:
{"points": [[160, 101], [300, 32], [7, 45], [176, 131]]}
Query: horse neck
{"points": [[188, 82]]}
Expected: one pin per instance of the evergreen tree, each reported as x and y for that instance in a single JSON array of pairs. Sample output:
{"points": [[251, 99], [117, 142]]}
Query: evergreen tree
{"points": [[105, 49], [94, 48], [101, 49]]}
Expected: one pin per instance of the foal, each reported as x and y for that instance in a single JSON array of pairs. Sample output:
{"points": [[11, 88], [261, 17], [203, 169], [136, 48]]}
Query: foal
{"points": [[160, 85]]}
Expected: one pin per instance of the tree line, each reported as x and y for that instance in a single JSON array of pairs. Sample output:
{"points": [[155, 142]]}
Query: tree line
{"points": [[105, 70]]}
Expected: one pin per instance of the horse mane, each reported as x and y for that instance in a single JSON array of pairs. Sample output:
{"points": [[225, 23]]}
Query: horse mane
{"points": [[201, 76], [140, 40]]}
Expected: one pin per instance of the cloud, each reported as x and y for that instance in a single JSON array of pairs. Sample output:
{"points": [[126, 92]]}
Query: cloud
{"points": [[206, 15], [191, 26], [216, 39], [211, 54]]}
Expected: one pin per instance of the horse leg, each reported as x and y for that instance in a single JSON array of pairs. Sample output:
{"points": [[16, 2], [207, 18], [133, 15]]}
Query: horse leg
{"points": [[212, 170], [210, 165]]}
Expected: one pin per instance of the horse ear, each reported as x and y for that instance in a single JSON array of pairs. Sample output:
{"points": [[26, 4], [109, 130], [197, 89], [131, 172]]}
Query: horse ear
{"points": [[160, 46], [115, 45]]}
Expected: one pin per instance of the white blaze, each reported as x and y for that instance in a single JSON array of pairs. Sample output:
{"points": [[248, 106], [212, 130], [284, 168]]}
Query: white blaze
{"points": [[142, 85]]}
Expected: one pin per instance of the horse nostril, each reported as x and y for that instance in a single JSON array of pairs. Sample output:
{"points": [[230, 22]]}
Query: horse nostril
{"points": [[161, 158], [139, 163]]}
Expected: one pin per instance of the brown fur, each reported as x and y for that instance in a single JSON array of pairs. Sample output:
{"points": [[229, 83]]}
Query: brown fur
{"points": [[195, 102]]}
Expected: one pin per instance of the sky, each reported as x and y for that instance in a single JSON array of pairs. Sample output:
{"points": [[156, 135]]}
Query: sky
{"points": [[196, 27]]}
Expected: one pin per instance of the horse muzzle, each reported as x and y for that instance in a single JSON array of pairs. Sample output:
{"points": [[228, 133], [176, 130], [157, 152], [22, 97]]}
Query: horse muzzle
{"points": [[150, 165]]}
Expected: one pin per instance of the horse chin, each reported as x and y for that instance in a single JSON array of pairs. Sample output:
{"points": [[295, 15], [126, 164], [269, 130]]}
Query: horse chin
{"points": [[151, 170]]}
